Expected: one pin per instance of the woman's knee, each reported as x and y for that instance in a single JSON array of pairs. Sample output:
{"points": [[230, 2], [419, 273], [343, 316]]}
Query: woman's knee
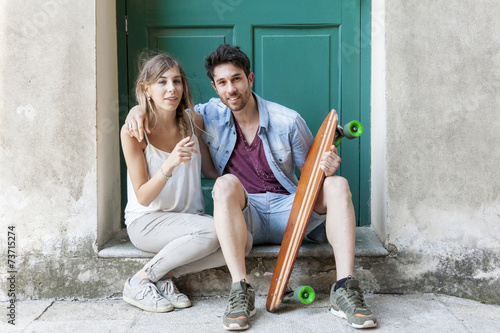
{"points": [[208, 236]]}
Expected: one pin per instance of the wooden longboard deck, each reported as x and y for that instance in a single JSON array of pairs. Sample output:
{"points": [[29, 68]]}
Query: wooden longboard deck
{"points": [[310, 183]]}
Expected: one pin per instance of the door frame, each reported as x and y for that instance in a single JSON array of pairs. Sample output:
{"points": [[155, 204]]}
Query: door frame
{"points": [[364, 34]]}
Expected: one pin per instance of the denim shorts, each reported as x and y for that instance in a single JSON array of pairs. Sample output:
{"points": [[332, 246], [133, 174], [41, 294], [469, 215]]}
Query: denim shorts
{"points": [[266, 216]]}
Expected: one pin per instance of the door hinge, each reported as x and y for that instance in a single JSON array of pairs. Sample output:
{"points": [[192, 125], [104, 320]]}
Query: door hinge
{"points": [[126, 25]]}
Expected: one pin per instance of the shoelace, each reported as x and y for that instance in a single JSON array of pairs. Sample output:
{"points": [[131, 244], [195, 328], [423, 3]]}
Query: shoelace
{"points": [[150, 288], [170, 288], [356, 297], [237, 301]]}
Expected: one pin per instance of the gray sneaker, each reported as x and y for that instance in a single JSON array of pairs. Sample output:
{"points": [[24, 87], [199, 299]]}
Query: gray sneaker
{"points": [[349, 303], [169, 291], [240, 308], [146, 296]]}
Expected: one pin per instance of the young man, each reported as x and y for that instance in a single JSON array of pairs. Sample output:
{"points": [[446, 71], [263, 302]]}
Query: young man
{"points": [[255, 145]]}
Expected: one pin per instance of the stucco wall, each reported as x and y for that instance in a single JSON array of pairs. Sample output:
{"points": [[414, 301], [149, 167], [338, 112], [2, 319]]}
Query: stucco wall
{"points": [[443, 146], [48, 117], [52, 118]]}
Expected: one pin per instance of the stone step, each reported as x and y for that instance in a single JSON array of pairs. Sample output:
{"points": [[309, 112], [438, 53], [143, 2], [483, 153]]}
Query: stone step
{"points": [[315, 265]]}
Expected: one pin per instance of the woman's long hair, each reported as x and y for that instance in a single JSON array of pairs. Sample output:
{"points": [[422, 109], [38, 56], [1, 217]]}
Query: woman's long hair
{"points": [[151, 69]]}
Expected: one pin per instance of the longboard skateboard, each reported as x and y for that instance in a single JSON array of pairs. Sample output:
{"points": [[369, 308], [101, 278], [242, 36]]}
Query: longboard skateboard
{"points": [[310, 183]]}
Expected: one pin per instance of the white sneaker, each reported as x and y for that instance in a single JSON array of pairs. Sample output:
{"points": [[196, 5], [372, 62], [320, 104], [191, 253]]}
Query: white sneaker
{"points": [[169, 291], [146, 296]]}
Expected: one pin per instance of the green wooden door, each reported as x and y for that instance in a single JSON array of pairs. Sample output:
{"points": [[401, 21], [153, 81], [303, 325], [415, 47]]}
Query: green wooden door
{"points": [[305, 55]]}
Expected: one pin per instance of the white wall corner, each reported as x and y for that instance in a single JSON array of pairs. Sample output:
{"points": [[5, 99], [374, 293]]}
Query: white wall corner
{"points": [[379, 123], [108, 146]]}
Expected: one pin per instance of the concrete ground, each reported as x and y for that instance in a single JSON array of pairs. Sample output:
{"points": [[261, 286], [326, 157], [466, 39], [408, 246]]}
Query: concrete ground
{"points": [[396, 313]]}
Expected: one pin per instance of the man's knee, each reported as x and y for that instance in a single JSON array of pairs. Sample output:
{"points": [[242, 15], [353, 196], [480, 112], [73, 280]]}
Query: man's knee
{"points": [[227, 187], [337, 186]]}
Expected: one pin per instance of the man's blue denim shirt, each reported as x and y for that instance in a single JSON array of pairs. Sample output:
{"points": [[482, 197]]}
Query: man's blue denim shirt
{"points": [[284, 133]]}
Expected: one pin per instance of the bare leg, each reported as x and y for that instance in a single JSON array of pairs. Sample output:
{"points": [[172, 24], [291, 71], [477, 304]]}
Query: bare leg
{"points": [[229, 201], [335, 199], [141, 274]]}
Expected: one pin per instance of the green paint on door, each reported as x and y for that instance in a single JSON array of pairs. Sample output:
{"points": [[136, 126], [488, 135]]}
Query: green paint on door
{"points": [[307, 55]]}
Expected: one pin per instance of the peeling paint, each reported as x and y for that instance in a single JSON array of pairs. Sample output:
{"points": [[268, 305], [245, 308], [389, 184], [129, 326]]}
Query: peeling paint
{"points": [[13, 198], [494, 275], [27, 110]]}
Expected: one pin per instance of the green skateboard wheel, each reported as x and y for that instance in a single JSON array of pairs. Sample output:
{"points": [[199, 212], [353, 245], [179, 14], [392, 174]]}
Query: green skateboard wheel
{"points": [[337, 142], [304, 294], [353, 130]]}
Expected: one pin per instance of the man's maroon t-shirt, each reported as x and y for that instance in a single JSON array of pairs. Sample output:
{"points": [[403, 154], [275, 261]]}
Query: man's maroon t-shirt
{"points": [[249, 164]]}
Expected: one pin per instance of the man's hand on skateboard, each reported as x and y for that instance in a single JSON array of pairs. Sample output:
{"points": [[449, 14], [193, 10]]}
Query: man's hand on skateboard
{"points": [[330, 161]]}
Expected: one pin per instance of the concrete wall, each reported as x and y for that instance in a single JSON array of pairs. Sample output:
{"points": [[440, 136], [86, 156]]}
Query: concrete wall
{"points": [[435, 189], [59, 148], [442, 147]]}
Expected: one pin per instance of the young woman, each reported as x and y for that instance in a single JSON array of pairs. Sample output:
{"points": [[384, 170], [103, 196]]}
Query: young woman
{"points": [[164, 213]]}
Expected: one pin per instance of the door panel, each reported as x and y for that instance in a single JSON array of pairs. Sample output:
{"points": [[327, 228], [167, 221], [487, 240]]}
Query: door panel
{"points": [[284, 76], [305, 55]]}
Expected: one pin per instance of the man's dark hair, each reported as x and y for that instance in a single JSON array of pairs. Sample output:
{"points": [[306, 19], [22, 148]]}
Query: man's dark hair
{"points": [[227, 54]]}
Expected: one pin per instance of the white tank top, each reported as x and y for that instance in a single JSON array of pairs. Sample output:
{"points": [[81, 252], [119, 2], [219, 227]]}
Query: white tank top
{"points": [[181, 194]]}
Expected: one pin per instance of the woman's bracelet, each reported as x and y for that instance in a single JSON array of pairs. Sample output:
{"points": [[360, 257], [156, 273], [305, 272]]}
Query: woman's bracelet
{"points": [[164, 174]]}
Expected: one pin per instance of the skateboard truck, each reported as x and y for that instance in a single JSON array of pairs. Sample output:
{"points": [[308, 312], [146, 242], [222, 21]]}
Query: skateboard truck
{"points": [[351, 130]]}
